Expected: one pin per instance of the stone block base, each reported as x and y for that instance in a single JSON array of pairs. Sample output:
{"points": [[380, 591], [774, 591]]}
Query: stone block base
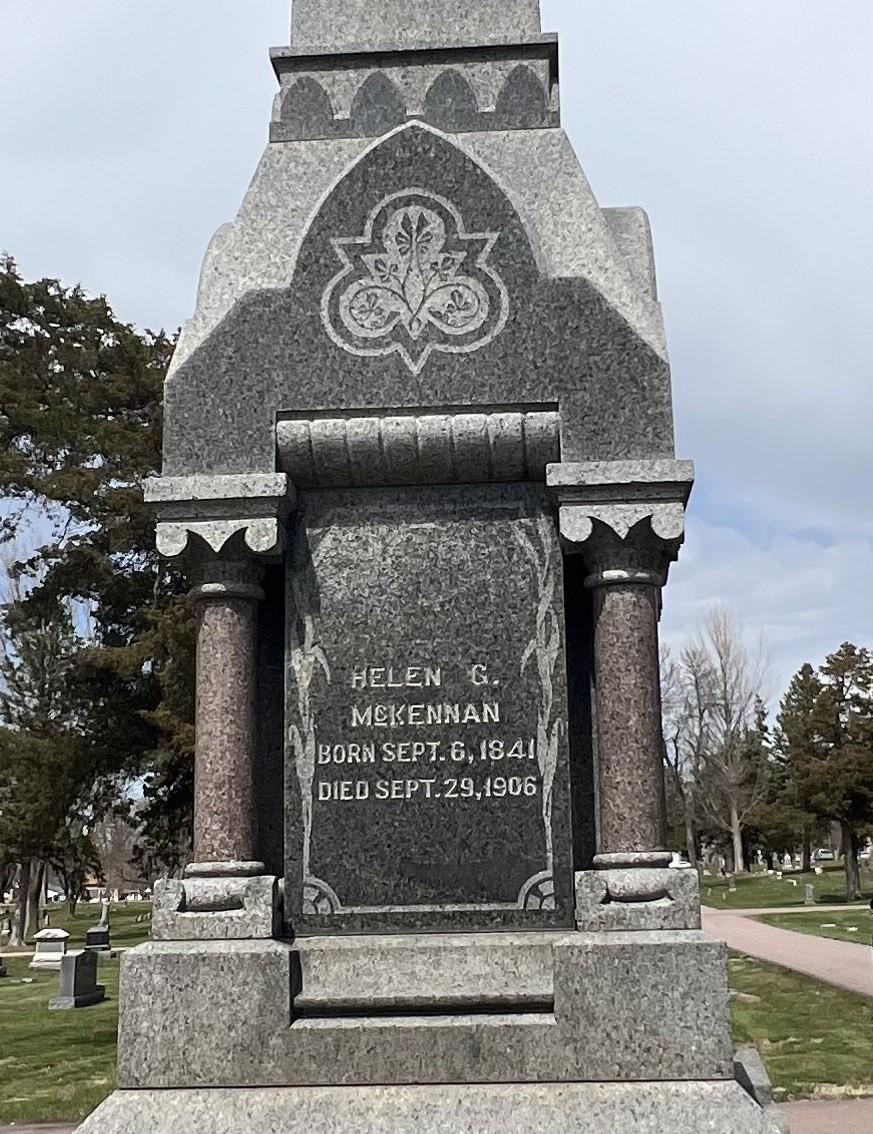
{"points": [[512, 1108]]}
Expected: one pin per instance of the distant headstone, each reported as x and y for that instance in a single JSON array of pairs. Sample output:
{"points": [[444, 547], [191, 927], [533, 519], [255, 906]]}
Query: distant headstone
{"points": [[97, 938], [732, 885], [51, 947], [809, 896], [78, 983]]}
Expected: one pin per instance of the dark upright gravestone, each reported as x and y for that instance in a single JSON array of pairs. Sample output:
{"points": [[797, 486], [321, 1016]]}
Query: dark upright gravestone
{"points": [[78, 981], [419, 467]]}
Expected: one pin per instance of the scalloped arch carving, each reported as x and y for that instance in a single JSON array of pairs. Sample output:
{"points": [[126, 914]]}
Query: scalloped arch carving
{"points": [[378, 106], [522, 97], [450, 99], [307, 108]]}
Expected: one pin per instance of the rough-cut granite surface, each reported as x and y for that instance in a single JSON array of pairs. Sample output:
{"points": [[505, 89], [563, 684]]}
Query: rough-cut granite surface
{"points": [[641, 1006], [637, 1108], [338, 24]]}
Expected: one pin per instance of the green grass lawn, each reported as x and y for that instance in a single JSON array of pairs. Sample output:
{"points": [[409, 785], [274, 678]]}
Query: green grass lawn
{"points": [[815, 1040], [54, 1066], [760, 890], [855, 925], [125, 930]]}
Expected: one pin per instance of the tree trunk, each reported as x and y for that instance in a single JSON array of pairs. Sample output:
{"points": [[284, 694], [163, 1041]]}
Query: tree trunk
{"points": [[690, 839], [853, 874], [31, 898], [737, 840], [20, 920], [806, 864]]}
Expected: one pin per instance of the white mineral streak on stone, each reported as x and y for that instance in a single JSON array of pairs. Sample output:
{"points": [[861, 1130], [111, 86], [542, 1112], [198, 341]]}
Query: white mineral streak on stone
{"points": [[536, 541], [307, 659]]}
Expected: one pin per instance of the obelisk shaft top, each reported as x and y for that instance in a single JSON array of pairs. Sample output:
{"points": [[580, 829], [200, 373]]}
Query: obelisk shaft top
{"points": [[345, 24]]}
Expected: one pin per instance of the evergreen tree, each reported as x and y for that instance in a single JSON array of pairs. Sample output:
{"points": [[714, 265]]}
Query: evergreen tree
{"points": [[827, 729], [80, 429]]}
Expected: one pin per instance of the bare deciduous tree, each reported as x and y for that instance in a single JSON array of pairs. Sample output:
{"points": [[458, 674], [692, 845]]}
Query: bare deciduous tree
{"points": [[713, 731]]}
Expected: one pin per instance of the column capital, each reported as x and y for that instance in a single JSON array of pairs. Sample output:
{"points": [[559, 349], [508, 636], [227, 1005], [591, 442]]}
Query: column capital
{"points": [[203, 514], [625, 518]]}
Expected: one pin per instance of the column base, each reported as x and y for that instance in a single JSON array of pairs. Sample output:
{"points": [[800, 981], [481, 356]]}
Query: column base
{"points": [[218, 902], [628, 897], [511, 1108]]}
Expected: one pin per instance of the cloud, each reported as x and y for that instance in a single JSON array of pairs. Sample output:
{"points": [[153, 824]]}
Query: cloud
{"points": [[802, 600], [129, 132]]}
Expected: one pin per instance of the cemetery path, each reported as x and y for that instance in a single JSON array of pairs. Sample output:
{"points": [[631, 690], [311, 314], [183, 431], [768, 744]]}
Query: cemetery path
{"points": [[844, 908], [831, 1117], [840, 963]]}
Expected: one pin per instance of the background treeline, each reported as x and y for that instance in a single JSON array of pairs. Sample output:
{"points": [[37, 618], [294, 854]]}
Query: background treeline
{"points": [[740, 784], [95, 659], [96, 647]]}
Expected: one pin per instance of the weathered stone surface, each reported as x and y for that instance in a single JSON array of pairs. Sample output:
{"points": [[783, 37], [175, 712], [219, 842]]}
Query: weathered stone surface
{"points": [[643, 1108], [78, 982], [216, 909], [427, 766], [637, 900], [334, 25], [506, 971], [611, 1006], [217, 508]]}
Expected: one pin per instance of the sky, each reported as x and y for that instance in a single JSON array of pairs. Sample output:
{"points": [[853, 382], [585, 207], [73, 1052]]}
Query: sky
{"points": [[130, 130]]}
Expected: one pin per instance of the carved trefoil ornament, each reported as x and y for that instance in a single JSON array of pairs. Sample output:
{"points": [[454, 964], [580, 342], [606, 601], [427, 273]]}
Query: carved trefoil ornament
{"points": [[414, 283]]}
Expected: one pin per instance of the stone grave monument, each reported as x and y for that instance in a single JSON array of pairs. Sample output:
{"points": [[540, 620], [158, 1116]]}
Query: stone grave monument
{"points": [[419, 468], [97, 937], [78, 981], [50, 948]]}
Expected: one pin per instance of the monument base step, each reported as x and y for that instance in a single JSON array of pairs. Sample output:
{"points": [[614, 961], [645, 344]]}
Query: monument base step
{"points": [[516, 1108]]}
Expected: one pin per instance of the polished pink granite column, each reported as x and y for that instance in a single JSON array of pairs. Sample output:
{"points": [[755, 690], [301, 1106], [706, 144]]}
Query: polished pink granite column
{"points": [[226, 726], [629, 739]]}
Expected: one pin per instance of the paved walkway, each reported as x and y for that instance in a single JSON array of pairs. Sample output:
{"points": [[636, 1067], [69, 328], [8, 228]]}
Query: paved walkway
{"points": [[863, 910], [831, 1117], [841, 963]]}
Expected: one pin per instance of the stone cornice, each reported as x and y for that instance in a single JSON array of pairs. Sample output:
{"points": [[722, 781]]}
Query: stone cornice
{"points": [[214, 509], [625, 518]]}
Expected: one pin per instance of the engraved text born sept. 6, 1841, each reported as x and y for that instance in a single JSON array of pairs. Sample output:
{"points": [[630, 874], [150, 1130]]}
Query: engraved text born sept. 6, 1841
{"points": [[478, 763]]}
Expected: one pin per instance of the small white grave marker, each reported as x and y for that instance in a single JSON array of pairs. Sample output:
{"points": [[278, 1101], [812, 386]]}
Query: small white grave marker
{"points": [[51, 947]]}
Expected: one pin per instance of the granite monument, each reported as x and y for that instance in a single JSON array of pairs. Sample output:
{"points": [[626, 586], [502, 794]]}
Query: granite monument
{"points": [[78, 987], [419, 467]]}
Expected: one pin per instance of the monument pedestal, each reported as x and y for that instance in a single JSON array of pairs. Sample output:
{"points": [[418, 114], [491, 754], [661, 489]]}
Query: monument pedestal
{"points": [[510, 1031], [511, 1108]]}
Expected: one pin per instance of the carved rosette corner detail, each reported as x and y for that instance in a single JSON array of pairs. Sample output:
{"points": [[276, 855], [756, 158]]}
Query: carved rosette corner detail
{"points": [[415, 282]]}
